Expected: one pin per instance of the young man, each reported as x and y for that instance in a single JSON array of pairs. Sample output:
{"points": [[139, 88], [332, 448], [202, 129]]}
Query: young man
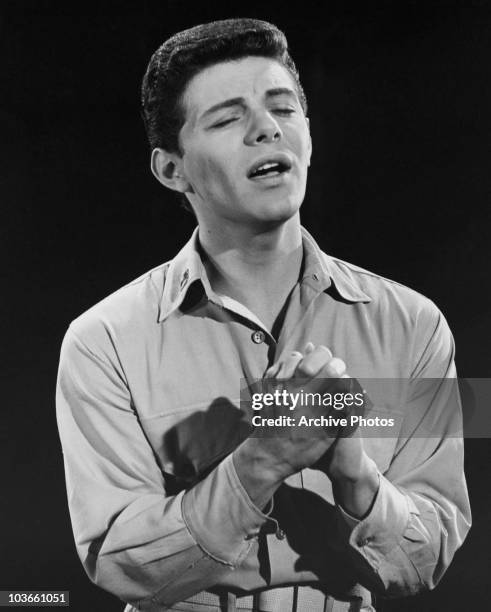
{"points": [[174, 505]]}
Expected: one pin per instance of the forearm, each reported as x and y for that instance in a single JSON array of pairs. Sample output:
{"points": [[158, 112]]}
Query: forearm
{"points": [[165, 549], [170, 568], [418, 519], [134, 539]]}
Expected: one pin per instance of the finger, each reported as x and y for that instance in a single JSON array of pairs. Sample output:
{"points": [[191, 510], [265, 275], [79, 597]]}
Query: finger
{"points": [[309, 347], [284, 368], [312, 363], [289, 365], [335, 368], [272, 371]]}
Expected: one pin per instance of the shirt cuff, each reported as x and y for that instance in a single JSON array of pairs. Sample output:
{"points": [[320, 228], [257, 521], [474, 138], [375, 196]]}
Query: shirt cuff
{"points": [[384, 526], [221, 516]]}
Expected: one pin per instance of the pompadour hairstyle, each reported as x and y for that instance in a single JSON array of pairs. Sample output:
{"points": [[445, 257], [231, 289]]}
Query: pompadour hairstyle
{"points": [[186, 53]]}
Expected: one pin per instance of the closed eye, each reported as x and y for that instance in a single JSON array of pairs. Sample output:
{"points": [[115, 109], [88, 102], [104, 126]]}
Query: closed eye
{"points": [[224, 122], [284, 111]]}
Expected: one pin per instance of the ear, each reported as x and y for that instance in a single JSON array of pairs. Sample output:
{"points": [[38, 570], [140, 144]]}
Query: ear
{"points": [[310, 139], [167, 168]]}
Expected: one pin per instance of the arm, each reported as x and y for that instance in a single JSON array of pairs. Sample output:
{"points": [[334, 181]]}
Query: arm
{"points": [[134, 539], [421, 513]]}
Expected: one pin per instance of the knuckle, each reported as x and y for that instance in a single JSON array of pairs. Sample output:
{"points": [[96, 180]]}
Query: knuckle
{"points": [[293, 360], [324, 349], [306, 369], [336, 367]]}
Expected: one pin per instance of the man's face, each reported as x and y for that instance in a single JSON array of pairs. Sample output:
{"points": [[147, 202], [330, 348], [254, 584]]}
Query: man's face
{"points": [[246, 143]]}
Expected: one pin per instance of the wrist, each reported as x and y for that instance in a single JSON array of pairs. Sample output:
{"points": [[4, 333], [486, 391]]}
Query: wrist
{"points": [[356, 491], [360, 468], [258, 473]]}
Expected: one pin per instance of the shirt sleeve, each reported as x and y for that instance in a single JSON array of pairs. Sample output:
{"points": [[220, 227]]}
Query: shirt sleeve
{"points": [[135, 540], [421, 513]]}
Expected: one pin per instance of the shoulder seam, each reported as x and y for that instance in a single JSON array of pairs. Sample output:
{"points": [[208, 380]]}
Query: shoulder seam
{"points": [[145, 275], [84, 344], [363, 271]]}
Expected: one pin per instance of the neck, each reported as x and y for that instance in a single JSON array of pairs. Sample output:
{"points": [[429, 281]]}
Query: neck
{"points": [[253, 265]]}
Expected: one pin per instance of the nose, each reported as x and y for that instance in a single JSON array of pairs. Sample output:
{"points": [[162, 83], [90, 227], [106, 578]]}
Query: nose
{"points": [[263, 128]]}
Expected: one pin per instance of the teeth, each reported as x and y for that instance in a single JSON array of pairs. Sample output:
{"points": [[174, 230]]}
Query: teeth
{"points": [[267, 167]]}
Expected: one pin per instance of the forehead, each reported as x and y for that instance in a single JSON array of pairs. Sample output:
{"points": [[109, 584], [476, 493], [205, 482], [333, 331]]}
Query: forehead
{"points": [[246, 77]]}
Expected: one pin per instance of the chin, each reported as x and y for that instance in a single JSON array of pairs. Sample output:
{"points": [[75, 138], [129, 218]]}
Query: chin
{"points": [[278, 213], [285, 207]]}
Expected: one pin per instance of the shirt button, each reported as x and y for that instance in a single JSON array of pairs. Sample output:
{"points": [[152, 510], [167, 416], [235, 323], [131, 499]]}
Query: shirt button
{"points": [[258, 337]]}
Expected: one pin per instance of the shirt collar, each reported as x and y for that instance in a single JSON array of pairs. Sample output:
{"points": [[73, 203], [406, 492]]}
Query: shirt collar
{"points": [[324, 272], [320, 271], [184, 270]]}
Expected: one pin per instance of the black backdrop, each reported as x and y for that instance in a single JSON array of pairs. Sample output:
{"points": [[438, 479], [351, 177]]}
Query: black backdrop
{"points": [[400, 108]]}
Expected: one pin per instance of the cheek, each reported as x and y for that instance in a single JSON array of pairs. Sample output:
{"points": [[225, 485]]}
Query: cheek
{"points": [[210, 174], [299, 141], [304, 147]]}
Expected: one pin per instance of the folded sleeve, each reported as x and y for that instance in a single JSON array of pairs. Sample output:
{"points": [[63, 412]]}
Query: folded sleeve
{"points": [[145, 546], [421, 513]]}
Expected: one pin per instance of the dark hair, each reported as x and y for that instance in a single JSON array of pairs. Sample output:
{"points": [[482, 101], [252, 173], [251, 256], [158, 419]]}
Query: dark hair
{"points": [[186, 53]]}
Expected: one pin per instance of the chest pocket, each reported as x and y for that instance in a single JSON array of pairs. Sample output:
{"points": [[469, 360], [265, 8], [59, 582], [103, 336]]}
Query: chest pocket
{"points": [[189, 442]]}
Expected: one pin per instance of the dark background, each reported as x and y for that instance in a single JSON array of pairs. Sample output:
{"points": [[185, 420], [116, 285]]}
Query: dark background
{"points": [[400, 109]]}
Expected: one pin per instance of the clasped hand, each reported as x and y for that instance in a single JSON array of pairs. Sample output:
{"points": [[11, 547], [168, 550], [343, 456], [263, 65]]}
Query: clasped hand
{"points": [[293, 447]]}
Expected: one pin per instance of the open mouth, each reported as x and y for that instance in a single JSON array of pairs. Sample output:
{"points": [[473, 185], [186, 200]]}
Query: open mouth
{"points": [[274, 166]]}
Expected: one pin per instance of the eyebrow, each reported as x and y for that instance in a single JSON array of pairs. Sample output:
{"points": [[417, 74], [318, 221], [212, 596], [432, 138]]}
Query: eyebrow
{"points": [[270, 93]]}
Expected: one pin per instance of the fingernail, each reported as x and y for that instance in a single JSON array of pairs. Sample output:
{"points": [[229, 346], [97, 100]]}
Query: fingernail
{"points": [[309, 347], [272, 371]]}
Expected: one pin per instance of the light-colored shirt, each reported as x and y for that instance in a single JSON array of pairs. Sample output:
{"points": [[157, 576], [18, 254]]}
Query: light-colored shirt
{"points": [[148, 407]]}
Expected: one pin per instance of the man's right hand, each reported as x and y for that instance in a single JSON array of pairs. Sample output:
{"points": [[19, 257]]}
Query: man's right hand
{"points": [[263, 463]]}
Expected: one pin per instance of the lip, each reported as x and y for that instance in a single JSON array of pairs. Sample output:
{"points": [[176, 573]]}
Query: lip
{"points": [[278, 158]]}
